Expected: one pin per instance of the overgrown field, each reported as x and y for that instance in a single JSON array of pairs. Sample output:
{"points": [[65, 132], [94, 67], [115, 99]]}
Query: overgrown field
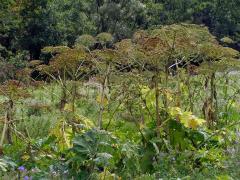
{"points": [[162, 105], [43, 147]]}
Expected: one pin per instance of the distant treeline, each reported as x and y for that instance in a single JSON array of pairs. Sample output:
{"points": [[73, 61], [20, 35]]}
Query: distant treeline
{"points": [[26, 26]]}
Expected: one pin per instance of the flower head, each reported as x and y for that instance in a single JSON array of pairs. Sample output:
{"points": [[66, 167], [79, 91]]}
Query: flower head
{"points": [[26, 178], [21, 168]]}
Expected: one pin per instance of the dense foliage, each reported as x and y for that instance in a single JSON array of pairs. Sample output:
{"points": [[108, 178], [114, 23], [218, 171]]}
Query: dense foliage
{"points": [[116, 89], [30, 25]]}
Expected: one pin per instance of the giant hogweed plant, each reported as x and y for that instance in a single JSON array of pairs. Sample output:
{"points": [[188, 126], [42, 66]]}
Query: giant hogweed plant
{"points": [[146, 78], [71, 66], [153, 54], [13, 91]]}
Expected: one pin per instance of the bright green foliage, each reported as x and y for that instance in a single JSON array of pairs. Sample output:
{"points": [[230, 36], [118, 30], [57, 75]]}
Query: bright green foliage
{"points": [[86, 40], [55, 50], [186, 118], [6, 163], [104, 38], [227, 40], [96, 150]]}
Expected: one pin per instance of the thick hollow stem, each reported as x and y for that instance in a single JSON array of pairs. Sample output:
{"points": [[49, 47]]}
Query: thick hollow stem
{"points": [[4, 130], [214, 97], [104, 85], [157, 95]]}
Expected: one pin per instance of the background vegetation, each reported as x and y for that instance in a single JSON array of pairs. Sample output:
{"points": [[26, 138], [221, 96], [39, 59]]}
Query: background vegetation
{"points": [[116, 89]]}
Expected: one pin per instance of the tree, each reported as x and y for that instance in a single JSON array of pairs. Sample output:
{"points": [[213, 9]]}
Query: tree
{"points": [[38, 27], [73, 19], [222, 17], [169, 12], [119, 18], [9, 24]]}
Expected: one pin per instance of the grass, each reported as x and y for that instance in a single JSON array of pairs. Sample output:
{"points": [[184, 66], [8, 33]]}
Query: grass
{"points": [[38, 115]]}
